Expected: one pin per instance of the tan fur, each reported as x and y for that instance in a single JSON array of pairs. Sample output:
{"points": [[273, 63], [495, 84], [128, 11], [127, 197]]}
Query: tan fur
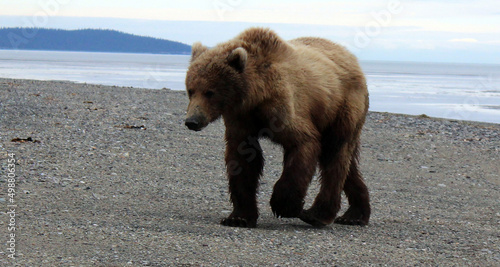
{"points": [[308, 94]]}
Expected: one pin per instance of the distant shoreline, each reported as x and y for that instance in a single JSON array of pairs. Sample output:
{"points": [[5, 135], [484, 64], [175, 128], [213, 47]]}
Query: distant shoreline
{"points": [[187, 54]]}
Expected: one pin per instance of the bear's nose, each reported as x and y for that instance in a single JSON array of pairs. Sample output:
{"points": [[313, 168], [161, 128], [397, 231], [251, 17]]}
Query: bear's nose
{"points": [[192, 124]]}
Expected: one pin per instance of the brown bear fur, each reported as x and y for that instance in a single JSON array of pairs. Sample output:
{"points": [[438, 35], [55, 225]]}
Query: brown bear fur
{"points": [[308, 95]]}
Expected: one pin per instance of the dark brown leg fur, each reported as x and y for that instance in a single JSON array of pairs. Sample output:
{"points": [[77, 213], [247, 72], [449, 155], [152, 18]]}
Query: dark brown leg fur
{"points": [[338, 162], [327, 202], [357, 194], [244, 168], [289, 192]]}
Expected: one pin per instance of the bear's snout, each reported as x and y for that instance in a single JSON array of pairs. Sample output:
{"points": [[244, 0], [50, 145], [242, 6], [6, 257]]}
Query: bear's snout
{"points": [[195, 123]]}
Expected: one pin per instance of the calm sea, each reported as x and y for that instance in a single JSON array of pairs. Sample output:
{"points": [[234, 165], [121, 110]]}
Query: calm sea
{"points": [[455, 91]]}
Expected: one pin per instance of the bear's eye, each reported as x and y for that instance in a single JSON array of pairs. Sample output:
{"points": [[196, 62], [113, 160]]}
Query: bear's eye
{"points": [[190, 93], [209, 94]]}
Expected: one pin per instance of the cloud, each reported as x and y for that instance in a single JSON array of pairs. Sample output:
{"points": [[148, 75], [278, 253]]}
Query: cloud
{"points": [[464, 40]]}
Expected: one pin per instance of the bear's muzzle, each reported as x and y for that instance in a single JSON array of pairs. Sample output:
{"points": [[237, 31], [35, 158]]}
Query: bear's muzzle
{"points": [[195, 123]]}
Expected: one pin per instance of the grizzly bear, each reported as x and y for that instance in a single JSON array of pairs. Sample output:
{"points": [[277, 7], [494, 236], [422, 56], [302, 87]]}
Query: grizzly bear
{"points": [[310, 96]]}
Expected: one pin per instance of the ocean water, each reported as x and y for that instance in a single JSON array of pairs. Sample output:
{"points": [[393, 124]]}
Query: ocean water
{"points": [[454, 91], [120, 69]]}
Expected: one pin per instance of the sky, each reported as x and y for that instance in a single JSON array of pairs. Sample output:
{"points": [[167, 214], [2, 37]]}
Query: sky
{"points": [[396, 30]]}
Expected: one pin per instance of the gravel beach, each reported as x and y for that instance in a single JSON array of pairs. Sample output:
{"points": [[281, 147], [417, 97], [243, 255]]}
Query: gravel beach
{"points": [[110, 176]]}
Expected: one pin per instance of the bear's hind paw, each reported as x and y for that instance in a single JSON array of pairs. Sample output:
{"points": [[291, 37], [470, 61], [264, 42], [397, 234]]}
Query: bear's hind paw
{"points": [[239, 222], [353, 217], [308, 217], [345, 221]]}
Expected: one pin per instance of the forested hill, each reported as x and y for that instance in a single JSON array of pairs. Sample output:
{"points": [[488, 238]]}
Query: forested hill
{"points": [[89, 40]]}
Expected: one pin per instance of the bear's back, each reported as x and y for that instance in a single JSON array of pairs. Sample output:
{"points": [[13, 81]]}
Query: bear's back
{"points": [[334, 52]]}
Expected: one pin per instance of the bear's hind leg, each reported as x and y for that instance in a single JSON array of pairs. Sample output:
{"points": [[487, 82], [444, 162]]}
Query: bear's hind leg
{"points": [[358, 197], [337, 150], [334, 169], [299, 166]]}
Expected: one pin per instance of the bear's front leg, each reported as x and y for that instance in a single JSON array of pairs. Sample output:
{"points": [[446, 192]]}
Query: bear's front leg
{"points": [[244, 164], [289, 192]]}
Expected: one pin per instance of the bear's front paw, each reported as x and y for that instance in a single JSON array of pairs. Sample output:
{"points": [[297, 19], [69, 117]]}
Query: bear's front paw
{"points": [[286, 205], [239, 222]]}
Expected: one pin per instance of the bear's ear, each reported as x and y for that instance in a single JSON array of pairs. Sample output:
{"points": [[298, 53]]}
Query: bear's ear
{"points": [[196, 50], [238, 59]]}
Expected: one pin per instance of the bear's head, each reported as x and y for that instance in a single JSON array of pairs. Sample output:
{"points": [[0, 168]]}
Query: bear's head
{"points": [[215, 83]]}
